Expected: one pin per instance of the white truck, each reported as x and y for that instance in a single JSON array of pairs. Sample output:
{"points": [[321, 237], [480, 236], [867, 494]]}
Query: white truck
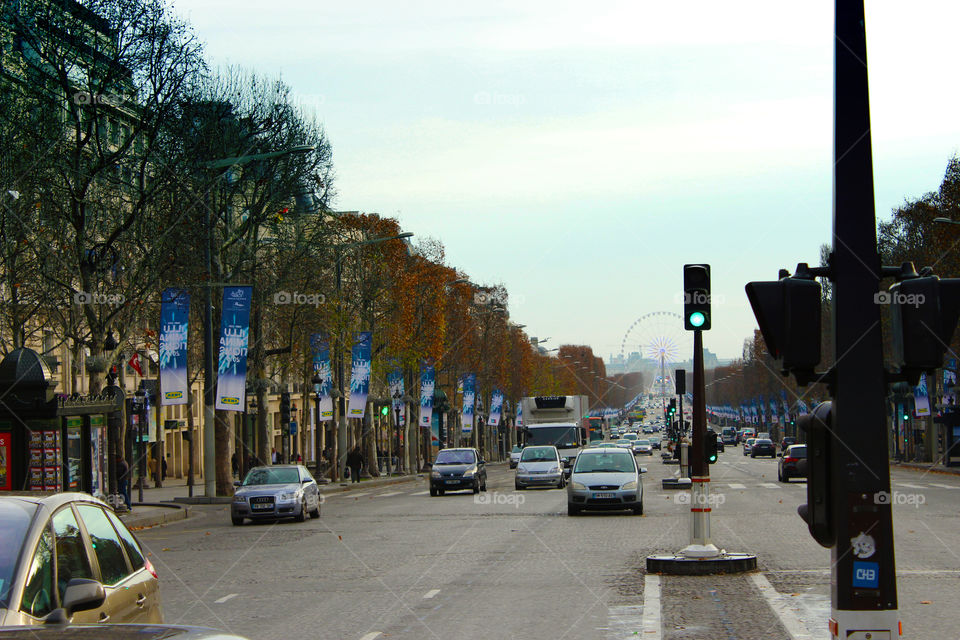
{"points": [[556, 420]]}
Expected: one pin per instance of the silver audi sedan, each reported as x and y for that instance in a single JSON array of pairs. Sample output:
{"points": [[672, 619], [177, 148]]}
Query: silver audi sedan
{"points": [[274, 492], [605, 479], [538, 467]]}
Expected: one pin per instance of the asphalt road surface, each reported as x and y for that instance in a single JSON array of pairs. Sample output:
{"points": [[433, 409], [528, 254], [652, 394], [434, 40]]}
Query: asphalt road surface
{"points": [[393, 562]]}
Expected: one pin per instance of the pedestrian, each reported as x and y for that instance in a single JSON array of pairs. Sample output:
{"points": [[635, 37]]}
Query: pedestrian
{"points": [[299, 458], [163, 467], [123, 479], [154, 469], [273, 455], [234, 465], [354, 462]]}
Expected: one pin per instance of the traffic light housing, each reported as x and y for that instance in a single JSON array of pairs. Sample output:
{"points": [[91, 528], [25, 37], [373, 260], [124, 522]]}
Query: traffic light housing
{"points": [[680, 381], [285, 407], [923, 315], [820, 442], [710, 447], [672, 408], [788, 313], [696, 297]]}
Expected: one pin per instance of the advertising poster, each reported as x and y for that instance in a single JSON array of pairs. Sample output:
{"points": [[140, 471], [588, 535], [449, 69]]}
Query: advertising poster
{"points": [[921, 398], [469, 400], [395, 382], [320, 348], [427, 384], [174, 316], [234, 334], [360, 374], [496, 407], [6, 446]]}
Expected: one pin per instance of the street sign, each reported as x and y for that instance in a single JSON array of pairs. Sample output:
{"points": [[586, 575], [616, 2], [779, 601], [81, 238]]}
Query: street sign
{"points": [[293, 427]]}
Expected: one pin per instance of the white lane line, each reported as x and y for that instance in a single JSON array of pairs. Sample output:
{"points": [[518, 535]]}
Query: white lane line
{"points": [[225, 598], [943, 486], [737, 485], [909, 486], [784, 612], [431, 593], [651, 607], [420, 493], [769, 485], [389, 493], [623, 621], [372, 635]]}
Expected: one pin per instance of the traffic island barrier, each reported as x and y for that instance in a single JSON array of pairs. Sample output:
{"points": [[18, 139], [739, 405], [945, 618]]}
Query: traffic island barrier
{"points": [[680, 565], [676, 483]]}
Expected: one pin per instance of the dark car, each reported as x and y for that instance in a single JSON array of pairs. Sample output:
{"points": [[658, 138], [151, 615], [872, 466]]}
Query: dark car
{"points": [[793, 463], [763, 447], [458, 469], [277, 491], [786, 442]]}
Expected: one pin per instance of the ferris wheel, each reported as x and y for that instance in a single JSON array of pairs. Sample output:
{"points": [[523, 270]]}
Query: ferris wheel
{"points": [[662, 342]]}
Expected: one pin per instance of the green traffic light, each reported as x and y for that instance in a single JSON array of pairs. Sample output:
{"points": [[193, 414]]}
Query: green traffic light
{"points": [[697, 319], [713, 458], [385, 411]]}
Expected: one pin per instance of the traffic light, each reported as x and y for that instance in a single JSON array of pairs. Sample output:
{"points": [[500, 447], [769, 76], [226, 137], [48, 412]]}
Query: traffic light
{"points": [[672, 408], [818, 511], [696, 297], [788, 313], [710, 447], [923, 316], [680, 380], [385, 411], [285, 407]]}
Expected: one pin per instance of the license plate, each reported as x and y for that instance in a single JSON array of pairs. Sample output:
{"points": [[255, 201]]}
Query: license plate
{"points": [[261, 505], [603, 495], [453, 482]]}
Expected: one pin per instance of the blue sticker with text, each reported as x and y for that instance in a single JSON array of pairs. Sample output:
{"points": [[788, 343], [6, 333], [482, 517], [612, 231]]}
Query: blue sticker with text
{"points": [[866, 575]]}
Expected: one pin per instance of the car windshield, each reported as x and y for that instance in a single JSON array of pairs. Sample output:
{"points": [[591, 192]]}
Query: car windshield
{"points": [[797, 452], [606, 462], [15, 517], [539, 454], [561, 437], [750, 441], [630, 436], [763, 442], [517, 449], [456, 456], [267, 475]]}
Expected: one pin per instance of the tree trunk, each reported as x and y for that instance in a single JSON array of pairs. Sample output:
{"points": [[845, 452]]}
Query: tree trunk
{"points": [[369, 442], [222, 452]]}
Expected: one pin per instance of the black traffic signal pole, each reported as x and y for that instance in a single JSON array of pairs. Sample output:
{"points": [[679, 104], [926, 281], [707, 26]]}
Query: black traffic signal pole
{"points": [[860, 600]]}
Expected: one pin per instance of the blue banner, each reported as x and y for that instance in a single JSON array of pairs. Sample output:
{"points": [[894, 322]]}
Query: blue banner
{"points": [[427, 383], [234, 334], [174, 318], [469, 399], [360, 374], [519, 421], [320, 349], [395, 383], [496, 407]]}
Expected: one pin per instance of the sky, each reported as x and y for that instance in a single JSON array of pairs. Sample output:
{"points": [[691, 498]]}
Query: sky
{"points": [[580, 153]]}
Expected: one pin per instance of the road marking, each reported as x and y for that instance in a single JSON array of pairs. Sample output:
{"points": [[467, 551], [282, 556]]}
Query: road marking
{"points": [[420, 493], [225, 598], [431, 593], [942, 486], [909, 486], [737, 485], [784, 612], [651, 607], [372, 635], [769, 485], [623, 622], [389, 493]]}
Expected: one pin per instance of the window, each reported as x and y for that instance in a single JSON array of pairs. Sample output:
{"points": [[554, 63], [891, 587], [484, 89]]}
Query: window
{"points": [[129, 542], [72, 560], [38, 595], [106, 544]]}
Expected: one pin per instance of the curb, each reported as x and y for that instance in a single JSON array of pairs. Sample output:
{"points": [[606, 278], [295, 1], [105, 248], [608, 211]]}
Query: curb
{"points": [[919, 466], [203, 500], [338, 487], [175, 512]]}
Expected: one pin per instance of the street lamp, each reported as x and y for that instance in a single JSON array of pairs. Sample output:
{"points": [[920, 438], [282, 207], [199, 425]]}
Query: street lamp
{"points": [[316, 380], [397, 400], [946, 221]]}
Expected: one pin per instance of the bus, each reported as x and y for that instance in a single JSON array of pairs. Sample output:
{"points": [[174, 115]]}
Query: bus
{"points": [[596, 429]]}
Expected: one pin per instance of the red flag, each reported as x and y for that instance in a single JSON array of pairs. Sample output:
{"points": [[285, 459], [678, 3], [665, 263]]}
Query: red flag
{"points": [[134, 363]]}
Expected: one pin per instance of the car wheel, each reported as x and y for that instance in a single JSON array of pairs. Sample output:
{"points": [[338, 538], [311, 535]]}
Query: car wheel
{"points": [[440, 491], [433, 492], [753, 455], [300, 517], [572, 510], [316, 512], [516, 486], [476, 487], [483, 487], [237, 520], [638, 511]]}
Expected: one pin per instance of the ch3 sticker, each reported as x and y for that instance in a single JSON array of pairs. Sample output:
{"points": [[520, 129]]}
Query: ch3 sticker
{"points": [[866, 575], [863, 545]]}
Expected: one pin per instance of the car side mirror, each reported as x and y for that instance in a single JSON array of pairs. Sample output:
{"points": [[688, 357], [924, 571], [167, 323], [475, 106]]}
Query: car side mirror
{"points": [[567, 472], [82, 594], [236, 483], [780, 454], [643, 469], [306, 480], [482, 461]]}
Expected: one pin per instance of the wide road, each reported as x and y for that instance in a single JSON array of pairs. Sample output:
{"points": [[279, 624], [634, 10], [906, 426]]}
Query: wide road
{"points": [[395, 563]]}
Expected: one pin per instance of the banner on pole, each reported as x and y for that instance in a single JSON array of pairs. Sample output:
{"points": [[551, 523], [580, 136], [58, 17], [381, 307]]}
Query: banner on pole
{"points": [[360, 374], [395, 383], [174, 319], [469, 399], [496, 406], [234, 334], [921, 398], [427, 384], [320, 348]]}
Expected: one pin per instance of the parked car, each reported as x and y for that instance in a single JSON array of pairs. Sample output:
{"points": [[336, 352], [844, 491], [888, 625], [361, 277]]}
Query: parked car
{"points": [[116, 632], [763, 447], [458, 469], [605, 479], [793, 463], [515, 456], [539, 466], [69, 557], [747, 445], [786, 442], [274, 492]]}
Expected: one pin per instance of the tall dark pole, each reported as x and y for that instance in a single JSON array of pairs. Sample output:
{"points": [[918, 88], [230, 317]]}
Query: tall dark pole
{"points": [[209, 387], [341, 439], [863, 565], [698, 466]]}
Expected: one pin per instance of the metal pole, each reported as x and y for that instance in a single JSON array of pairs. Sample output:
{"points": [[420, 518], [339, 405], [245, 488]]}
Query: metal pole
{"points": [[863, 584], [209, 374], [341, 444]]}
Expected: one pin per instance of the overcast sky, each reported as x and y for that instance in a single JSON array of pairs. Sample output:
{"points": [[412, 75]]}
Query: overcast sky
{"points": [[581, 153]]}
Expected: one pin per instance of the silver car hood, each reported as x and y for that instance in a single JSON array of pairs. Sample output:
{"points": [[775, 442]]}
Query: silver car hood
{"points": [[539, 466], [619, 479], [267, 489]]}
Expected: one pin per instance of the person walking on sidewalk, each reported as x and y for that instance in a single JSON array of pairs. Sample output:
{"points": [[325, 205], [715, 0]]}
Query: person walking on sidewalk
{"points": [[273, 456], [123, 479], [355, 461], [163, 467], [234, 465]]}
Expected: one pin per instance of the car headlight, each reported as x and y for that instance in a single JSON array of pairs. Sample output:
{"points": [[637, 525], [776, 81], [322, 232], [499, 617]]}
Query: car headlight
{"points": [[554, 470], [521, 468], [578, 486], [630, 485], [239, 498], [469, 472], [289, 496], [434, 474]]}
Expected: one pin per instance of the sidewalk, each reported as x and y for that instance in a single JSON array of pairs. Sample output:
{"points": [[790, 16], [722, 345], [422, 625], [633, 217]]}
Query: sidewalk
{"points": [[927, 466]]}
